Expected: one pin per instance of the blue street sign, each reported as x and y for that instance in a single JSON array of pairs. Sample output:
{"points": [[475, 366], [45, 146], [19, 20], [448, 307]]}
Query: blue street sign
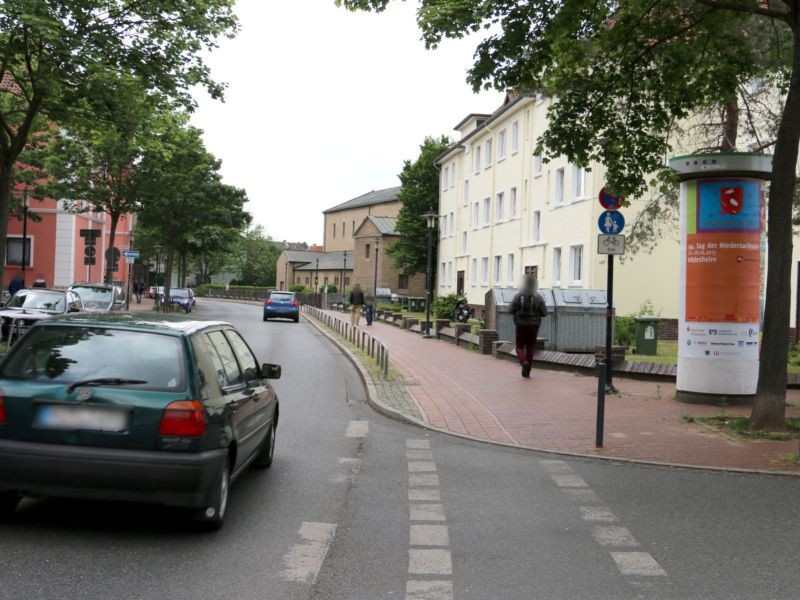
{"points": [[611, 222], [130, 253]]}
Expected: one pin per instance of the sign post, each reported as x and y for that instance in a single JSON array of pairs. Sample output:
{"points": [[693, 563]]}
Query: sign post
{"points": [[610, 242]]}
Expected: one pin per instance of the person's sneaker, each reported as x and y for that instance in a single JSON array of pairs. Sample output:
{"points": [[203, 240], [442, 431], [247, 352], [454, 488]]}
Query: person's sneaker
{"points": [[526, 370]]}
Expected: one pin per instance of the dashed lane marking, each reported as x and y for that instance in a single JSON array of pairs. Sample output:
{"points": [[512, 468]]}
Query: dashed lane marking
{"points": [[423, 479], [304, 560], [419, 455], [637, 563], [357, 429], [429, 561], [429, 535], [429, 590], [421, 467], [614, 535], [556, 466], [424, 495], [583, 495], [567, 480], [418, 444], [597, 514], [427, 512]]}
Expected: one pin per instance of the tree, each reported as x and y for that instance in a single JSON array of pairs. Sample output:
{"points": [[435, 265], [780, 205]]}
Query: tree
{"points": [[256, 258], [53, 53], [91, 165], [419, 194], [621, 73]]}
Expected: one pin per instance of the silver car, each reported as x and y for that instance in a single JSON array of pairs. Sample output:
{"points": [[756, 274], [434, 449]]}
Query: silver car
{"points": [[99, 297]]}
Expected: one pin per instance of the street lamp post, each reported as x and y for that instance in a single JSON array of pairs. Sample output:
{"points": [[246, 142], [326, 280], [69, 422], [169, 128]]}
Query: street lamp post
{"points": [[431, 219], [344, 268], [375, 287], [157, 248], [316, 283]]}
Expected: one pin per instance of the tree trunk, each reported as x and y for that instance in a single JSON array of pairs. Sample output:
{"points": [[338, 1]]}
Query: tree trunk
{"points": [[6, 179], [769, 408], [112, 234], [167, 305], [730, 124]]}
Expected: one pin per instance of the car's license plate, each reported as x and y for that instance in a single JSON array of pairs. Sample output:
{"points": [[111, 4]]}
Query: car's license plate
{"points": [[86, 418]]}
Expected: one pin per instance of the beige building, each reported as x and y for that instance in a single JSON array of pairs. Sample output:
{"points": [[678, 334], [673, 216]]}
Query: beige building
{"points": [[371, 240], [342, 221]]}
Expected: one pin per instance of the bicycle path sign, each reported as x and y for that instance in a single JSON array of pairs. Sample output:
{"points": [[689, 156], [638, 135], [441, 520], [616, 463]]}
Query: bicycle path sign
{"points": [[610, 244]]}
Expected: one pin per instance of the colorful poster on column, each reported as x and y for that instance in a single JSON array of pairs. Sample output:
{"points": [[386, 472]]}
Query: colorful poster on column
{"points": [[723, 268]]}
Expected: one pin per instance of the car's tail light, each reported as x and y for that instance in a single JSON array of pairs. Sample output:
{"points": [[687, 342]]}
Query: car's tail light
{"points": [[268, 303], [185, 418], [2, 408], [294, 303]]}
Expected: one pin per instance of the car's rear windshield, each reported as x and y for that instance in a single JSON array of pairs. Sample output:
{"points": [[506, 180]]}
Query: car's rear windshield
{"points": [[94, 294], [180, 292], [39, 300], [281, 297], [61, 354]]}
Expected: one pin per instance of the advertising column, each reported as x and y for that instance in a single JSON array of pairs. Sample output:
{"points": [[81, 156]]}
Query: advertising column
{"points": [[722, 275]]}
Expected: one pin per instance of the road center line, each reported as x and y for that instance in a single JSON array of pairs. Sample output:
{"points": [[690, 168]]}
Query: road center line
{"points": [[429, 590], [637, 563], [304, 560], [357, 429]]}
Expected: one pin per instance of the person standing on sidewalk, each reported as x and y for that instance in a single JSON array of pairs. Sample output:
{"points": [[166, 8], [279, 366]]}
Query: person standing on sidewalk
{"points": [[369, 307], [356, 302], [528, 309]]}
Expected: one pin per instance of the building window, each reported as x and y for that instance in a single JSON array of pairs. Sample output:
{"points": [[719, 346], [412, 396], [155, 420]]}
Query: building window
{"points": [[445, 178], [452, 224], [537, 226], [556, 266], [366, 254], [576, 264], [335, 281], [14, 251], [537, 165], [326, 281], [453, 175], [354, 227], [559, 187], [499, 208], [308, 280], [450, 272], [477, 159], [343, 230], [514, 137], [347, 281], [443, 273], [476, 215], [466, 192], [485, 270], [488, 157], [501, 145], [334, 230], [487, 202], [510, 266], [443, 228], [474, 273], [579, 183], [512, 203], [402, 282], [498, 265], [463, 242]]}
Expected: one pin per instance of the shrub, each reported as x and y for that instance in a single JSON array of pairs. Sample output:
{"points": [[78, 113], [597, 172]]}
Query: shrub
{"points": [[444, 307], [330, 288], [299, 288]]}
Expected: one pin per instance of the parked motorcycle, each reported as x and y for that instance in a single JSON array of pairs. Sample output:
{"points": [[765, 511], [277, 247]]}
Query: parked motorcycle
{"points": [[463, 311]]}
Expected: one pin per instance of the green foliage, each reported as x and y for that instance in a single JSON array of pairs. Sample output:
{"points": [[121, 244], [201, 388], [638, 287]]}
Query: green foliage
{"points": [[330, 288], [444, 307], [255, 257], [625, 331], [299, 288], [419, 194]]}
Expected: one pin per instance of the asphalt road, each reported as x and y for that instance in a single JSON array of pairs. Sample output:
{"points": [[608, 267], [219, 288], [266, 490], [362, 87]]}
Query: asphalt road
{"points": [[358, 506]]}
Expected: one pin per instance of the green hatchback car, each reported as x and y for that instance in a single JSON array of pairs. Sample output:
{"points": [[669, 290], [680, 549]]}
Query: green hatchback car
{"points": [[145, 408]]}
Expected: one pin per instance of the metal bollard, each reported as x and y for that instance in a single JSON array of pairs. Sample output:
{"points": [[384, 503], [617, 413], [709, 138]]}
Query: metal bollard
{"points": [[601, 404], [386, 365]]}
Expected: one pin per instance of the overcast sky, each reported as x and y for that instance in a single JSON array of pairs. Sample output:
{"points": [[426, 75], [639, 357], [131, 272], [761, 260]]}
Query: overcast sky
{"points": [[323, 105]]}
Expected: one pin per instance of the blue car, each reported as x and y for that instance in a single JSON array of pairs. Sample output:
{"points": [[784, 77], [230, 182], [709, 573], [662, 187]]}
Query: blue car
{"points": [[180, 297], [282, 305]]}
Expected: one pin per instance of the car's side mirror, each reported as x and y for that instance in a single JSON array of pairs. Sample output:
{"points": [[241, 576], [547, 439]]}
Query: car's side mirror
{"points": [[74, 309], [269, 371]]}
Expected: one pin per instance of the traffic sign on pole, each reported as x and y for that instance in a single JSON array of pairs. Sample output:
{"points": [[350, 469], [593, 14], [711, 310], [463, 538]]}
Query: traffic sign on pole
{"points": [[610, 244], [134, 254], [610, 201], [611, 222]]}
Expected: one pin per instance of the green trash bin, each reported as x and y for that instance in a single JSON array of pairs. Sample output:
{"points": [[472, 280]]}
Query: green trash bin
{"points": [[647, 335]]}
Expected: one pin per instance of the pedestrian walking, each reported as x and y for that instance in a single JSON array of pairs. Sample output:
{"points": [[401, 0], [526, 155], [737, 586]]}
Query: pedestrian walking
{"points": [[528, 309], [138, 289], [356, 300], [15, 285], [369, 307]]}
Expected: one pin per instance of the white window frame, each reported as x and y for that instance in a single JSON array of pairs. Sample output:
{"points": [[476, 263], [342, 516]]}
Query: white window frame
{"points": [[515, 137], [464, 242], [498, 269], [537, 226], [466, 192], [488, 158], [576, 264], [443, 273], [477, 159], [442, 226], [445, 178], [500, 207], [474, 273], [501, 145], [487, 211], [557, 266], [511, 274], [453, 174], [29, 255], [485, 270], [580, 181], [537, 165], [450, 272], [559, 185], [476, 215], [452, 223], [513, 204]]}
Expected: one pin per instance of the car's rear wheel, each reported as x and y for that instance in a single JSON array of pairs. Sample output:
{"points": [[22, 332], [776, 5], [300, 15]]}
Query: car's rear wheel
{"points": [[212, 517], [8, 504], [267, 451], [265, 318], [297, 319]]}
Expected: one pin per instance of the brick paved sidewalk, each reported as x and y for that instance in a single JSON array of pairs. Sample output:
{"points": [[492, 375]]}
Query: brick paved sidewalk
{"points": [[486, 398]]}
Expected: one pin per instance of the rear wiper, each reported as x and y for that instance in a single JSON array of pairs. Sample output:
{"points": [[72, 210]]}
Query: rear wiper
{"points": [[103, 381]]}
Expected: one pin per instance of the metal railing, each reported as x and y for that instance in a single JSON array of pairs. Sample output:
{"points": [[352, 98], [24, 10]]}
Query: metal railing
{"points": [[363, 340]]}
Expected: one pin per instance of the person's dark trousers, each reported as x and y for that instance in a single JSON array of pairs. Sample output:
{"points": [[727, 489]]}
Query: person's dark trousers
{"points": [[369, 310], [138, 297], [526, 343]]}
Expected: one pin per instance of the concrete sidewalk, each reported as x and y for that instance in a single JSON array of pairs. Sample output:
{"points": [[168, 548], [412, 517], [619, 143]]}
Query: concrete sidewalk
{"points": [[471, 394]]}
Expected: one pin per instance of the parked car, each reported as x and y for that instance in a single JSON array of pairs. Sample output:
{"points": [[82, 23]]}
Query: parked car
{"points": [[283, 305], [27, 306], [144, 408], [99, 297], [193, 296], [180, 297], [151, 292]]}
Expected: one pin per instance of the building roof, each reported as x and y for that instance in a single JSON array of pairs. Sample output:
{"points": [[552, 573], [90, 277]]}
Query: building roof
{"points": [[329, 261], [301, 255], [384, 225], [477, 116], [368, 199]]}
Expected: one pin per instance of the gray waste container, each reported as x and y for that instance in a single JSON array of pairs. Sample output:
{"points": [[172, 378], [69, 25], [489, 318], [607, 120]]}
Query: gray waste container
{"points": [[581, 320], [498, 304]]}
